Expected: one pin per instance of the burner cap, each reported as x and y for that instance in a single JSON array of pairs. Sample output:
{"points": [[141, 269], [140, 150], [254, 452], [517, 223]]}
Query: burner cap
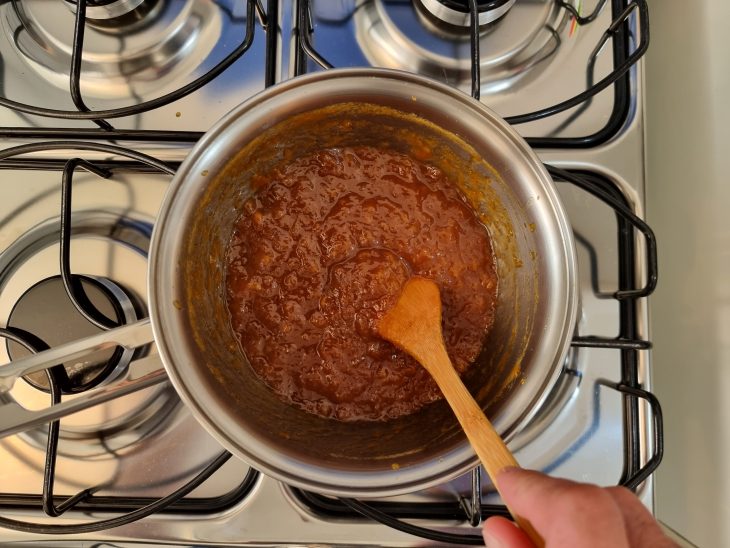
{"points": [[46, 312], [456, 12]]}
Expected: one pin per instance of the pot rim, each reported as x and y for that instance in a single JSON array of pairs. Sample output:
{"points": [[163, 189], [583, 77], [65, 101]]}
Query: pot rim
{"points": [[163, 268]]}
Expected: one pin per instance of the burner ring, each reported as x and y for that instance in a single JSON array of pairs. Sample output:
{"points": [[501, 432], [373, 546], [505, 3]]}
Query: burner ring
{"points": [[456, 13]]}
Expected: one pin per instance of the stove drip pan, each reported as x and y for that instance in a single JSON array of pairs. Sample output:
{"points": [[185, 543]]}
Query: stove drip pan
{"points": [[129, 48], [411, 37], [37, 303]]}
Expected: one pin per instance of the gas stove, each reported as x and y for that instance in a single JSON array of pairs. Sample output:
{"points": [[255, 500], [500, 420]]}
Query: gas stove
{"points": [[101, 100]]}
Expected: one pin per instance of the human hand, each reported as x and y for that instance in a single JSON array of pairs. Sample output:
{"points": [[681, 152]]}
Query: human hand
{"points": [[568, 514]]}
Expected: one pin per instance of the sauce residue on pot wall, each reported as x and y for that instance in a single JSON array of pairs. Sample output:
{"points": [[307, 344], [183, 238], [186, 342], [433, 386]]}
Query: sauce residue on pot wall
{"points": [[322, 250]]}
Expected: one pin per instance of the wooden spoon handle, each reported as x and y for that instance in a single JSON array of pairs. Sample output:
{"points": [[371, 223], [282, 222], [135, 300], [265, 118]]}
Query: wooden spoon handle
{"points": [[485, 440], [414, 325]]}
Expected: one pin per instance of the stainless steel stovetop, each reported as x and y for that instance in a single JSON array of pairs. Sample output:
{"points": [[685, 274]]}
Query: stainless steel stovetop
{"points": [[144, 445]]}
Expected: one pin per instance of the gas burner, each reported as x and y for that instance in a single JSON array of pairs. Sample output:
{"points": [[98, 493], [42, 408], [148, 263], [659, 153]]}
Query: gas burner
{"points": [[118, 14], [46, 312], [130, 47], [399, 35], [105, 245], [456, 12]]}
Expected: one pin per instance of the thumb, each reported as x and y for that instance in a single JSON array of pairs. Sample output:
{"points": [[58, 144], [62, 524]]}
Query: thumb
{"points": [[500, 532]]}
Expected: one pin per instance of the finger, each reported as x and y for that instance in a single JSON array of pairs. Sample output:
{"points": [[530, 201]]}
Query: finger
{"points": [[500, 532], [565, 513], [641, 527]]}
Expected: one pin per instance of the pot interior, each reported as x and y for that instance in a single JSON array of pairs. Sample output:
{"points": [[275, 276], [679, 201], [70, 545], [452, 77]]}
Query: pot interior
{"points": [[361, 446]]}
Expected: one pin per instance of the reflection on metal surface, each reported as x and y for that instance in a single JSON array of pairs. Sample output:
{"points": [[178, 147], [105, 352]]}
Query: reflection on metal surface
{"points": [[140, 408], [120, 58], [555, 404], [62, 323], [395, 35], [120, 14]]}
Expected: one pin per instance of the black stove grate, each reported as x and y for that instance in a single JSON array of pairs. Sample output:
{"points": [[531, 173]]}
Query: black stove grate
{"points": [[619, 32], [628, 343], [138, 507]]}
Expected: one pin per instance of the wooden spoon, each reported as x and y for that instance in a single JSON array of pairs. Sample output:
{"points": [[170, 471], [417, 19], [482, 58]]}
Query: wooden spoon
{"points": [[414, 325]]}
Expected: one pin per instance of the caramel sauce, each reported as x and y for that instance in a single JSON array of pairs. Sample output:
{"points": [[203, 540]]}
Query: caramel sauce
{"points": [[321, 252]]}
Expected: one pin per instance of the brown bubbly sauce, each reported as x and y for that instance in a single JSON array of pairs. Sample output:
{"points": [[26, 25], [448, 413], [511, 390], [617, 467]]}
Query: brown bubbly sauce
{"points": [[321, 252]]}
